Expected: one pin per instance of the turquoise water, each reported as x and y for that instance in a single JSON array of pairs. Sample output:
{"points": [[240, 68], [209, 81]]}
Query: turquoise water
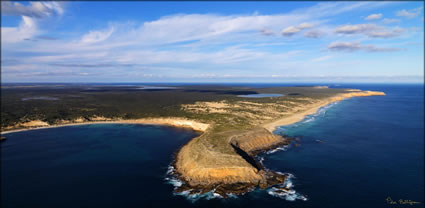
{"points": [[260, 95], [355, 153]]}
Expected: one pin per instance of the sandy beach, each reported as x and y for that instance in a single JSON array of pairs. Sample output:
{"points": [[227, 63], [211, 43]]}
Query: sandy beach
{"points": [[203, 165], [195, 125], [177, 122], [315, 107]]}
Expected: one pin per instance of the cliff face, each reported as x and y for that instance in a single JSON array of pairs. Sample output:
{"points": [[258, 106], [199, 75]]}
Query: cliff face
{"points": [[204, 169], [202, 162], [199, 165], [257, 140], [234, 131]]}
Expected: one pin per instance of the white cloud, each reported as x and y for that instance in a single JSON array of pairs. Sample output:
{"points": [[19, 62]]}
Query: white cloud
{"points": [[26, 29], [305, 25], [374, 17], [357, 46], [30, 14], [335, 8], [291, 30], [35, 9], [313, 34], [199, 27], [353, 29], [97, 36], [387, 33], [370, 30], [412, 13], [390, 21], [187, 43]]}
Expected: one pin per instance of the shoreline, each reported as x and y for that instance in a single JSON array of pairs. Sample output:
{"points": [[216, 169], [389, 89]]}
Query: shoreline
{"points": [[175, 122], [202, 127], [226, 179], [297, 117]]}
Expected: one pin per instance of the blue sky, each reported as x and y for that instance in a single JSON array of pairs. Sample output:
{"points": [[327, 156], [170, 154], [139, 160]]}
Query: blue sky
{"points": [[212, 41]]}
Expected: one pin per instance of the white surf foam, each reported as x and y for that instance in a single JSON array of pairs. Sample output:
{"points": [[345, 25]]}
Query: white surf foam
{"points": [[281, 148], [193, 197], [285, 190], [171, 179], [309, 118]]}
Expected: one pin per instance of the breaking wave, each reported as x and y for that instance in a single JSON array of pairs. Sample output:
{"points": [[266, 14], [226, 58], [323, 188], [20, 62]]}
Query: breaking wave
{"points": [[193, 197], [285, 190], [170, 178], [308, 119], [281, 148]]}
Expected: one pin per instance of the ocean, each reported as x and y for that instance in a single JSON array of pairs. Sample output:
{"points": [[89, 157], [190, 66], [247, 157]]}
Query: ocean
{"points": [[360, 152]]}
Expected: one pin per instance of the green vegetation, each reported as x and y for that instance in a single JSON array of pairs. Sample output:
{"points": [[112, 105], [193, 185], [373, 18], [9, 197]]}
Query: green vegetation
{"points": [[221, 155], [53, 103]]}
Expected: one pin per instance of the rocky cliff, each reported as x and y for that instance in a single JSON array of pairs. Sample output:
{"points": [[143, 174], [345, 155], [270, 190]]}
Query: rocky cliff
{"points": [[226, 159]]}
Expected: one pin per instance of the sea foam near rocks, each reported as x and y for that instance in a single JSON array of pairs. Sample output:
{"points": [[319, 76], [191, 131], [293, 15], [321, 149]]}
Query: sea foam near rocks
{"points": [[285, 190], [172, 179], [281, 148]]}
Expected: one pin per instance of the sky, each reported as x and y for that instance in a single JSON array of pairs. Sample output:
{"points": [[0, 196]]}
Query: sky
{"points": [[212, 41]]}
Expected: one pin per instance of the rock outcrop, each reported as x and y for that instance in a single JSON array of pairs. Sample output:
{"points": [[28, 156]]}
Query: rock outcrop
{"points": [[204, 165]]}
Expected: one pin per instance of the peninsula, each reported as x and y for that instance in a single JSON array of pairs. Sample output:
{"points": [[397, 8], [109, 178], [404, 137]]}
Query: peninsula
{"points": [[235, 128]]}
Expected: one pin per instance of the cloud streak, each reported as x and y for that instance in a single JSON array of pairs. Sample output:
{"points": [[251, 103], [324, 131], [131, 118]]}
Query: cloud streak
{"points": [[370, 30], [390, 21], [313, 34], [97, 36], [374, 17], [412, 13], [291, 30], [356, 46], [187, 44]]}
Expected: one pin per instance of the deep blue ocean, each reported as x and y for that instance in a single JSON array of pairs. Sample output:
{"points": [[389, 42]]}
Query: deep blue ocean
{"points": [[355, 153]]}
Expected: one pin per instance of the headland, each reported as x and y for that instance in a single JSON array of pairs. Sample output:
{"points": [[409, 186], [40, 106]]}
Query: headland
{"points": [[235, 129]]}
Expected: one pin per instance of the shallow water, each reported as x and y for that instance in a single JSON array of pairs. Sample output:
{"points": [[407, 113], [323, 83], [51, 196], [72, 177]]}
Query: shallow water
{"points": [[355, 153]]}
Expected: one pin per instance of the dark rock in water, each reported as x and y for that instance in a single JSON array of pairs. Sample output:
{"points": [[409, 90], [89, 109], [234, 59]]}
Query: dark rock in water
{"points": [[2, 138], [221, 189], [236, 188], [281, 190], [183, 187], [270, 179], [274, 178]]}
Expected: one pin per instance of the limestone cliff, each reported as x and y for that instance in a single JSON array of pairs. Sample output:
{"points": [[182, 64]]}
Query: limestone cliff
{"points": [[214, 158]]}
